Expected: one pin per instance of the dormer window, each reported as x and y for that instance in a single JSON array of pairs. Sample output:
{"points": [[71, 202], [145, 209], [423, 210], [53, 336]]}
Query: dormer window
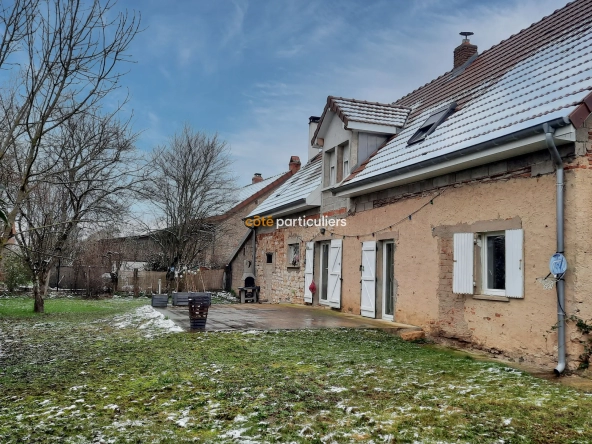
{"points": [[428, 127]]}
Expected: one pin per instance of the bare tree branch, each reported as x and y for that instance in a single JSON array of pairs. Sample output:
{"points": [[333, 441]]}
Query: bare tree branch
{"points": [[189, 182]]}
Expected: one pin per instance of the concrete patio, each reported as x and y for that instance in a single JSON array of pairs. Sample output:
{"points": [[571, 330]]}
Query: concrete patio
{"points": [[279, 317]]}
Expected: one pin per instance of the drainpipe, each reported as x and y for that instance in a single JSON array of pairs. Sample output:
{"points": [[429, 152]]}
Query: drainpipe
{"points": [[560, 246], [253, 240]]}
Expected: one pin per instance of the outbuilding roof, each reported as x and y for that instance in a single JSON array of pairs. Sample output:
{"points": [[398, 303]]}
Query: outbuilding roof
{"points": [[245, 193], [295, 190], [540, 74]]}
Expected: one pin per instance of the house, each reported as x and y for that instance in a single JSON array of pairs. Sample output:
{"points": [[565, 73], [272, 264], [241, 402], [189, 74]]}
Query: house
{"points": [[448, 204], [231, 233]]}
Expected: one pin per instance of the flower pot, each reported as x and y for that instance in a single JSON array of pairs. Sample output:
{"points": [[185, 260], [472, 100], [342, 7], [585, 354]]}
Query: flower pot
{"points": [[160, 300], [181, 299]]}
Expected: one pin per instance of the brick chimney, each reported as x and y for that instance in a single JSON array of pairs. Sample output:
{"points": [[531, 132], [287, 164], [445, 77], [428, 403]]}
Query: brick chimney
{"points": [[294, 164], [464, 51], [257, 178]]}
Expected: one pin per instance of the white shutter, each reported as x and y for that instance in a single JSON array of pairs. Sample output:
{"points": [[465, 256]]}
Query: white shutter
{"points": [[334, 279], [368, 302], [462, 273], [308, 271], [514, 263]]}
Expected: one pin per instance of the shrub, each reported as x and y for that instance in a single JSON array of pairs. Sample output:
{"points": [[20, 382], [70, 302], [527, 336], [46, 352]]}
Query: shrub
{"points": [[15, 272]]}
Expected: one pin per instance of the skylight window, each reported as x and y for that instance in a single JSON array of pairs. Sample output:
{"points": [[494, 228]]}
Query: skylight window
{"points": [[428, 127]]}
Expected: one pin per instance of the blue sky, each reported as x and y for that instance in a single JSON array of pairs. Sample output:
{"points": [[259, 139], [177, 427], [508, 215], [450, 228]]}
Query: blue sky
{"points": [[254, 71]]}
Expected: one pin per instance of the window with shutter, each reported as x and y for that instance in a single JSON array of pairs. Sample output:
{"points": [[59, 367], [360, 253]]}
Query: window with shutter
{"points": [[515, 263], [502, 263], [462, 273]]}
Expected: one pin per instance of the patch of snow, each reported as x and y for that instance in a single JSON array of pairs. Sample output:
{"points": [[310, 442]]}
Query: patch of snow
{"points": [[336, 389], [234, 434], [148, 319]]}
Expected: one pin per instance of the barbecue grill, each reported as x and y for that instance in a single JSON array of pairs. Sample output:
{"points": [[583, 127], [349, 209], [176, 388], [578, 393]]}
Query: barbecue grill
{"points": [[250, 292]]}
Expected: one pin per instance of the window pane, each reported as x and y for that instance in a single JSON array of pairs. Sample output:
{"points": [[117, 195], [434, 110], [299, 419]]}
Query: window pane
{"points": [[294, 255], [324, 270], [390, 280], [496, 262]]}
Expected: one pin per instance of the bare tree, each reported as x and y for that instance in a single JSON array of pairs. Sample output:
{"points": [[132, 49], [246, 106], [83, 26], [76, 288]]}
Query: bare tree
{"points": [[62, 58], [188, 183], [87, 184]]}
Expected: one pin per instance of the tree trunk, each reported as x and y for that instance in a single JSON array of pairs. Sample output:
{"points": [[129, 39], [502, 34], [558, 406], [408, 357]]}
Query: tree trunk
{"points": [[40, 284]]}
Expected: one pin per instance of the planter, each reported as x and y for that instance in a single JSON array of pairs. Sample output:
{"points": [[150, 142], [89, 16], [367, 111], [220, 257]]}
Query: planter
{"points": [[160, 300], [199, 303], [181, 299]]}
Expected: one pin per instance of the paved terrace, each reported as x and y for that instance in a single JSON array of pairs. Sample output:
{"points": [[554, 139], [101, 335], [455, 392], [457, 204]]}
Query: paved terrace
{"points": [[278, 317]]}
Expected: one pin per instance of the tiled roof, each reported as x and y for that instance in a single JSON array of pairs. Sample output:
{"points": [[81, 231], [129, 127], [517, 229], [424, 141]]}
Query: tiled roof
{"points": [[352, 110], [247, 191], [295, 189], [540, 74], [370, 112]]}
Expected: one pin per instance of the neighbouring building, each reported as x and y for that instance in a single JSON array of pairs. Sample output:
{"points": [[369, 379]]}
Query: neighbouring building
{"points": [[449, 199], [231, 232]]}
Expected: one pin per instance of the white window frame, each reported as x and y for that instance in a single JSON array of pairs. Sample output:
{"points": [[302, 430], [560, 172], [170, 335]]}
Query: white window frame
{"points": [[345, 162], [332, 166], [483, 240]]}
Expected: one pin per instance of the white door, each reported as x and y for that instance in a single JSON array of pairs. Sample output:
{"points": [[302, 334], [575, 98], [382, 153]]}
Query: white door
{"points": [[334, 278], [368, 303], [308, 271]]}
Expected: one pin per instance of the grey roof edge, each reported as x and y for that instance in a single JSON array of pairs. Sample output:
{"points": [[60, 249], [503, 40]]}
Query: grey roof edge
{"points": [[240, 245], [537, 129], [294, 203]]}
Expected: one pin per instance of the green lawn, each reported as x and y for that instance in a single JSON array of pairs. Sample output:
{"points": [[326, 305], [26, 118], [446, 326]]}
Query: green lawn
{"points": [[101, 378], [67, 308]]}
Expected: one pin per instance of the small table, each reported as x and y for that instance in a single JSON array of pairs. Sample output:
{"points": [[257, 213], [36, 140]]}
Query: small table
{"points": [[249, 294]]}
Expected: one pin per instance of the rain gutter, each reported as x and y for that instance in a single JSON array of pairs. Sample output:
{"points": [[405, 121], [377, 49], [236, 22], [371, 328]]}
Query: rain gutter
{"points": [[555, 123]]}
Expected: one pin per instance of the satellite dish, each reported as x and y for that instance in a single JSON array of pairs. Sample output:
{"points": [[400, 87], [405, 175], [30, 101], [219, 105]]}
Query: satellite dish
{"points": [[558, 264]]}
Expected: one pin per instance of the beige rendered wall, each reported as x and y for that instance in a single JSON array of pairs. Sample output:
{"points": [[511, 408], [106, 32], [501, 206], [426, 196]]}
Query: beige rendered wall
{"points": [[519, 328], [423, 261]]}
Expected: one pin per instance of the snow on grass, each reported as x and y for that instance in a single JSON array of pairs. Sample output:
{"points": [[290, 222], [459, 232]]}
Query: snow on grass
{"points": [[148, 319], [224, 297], [80, 381]]}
